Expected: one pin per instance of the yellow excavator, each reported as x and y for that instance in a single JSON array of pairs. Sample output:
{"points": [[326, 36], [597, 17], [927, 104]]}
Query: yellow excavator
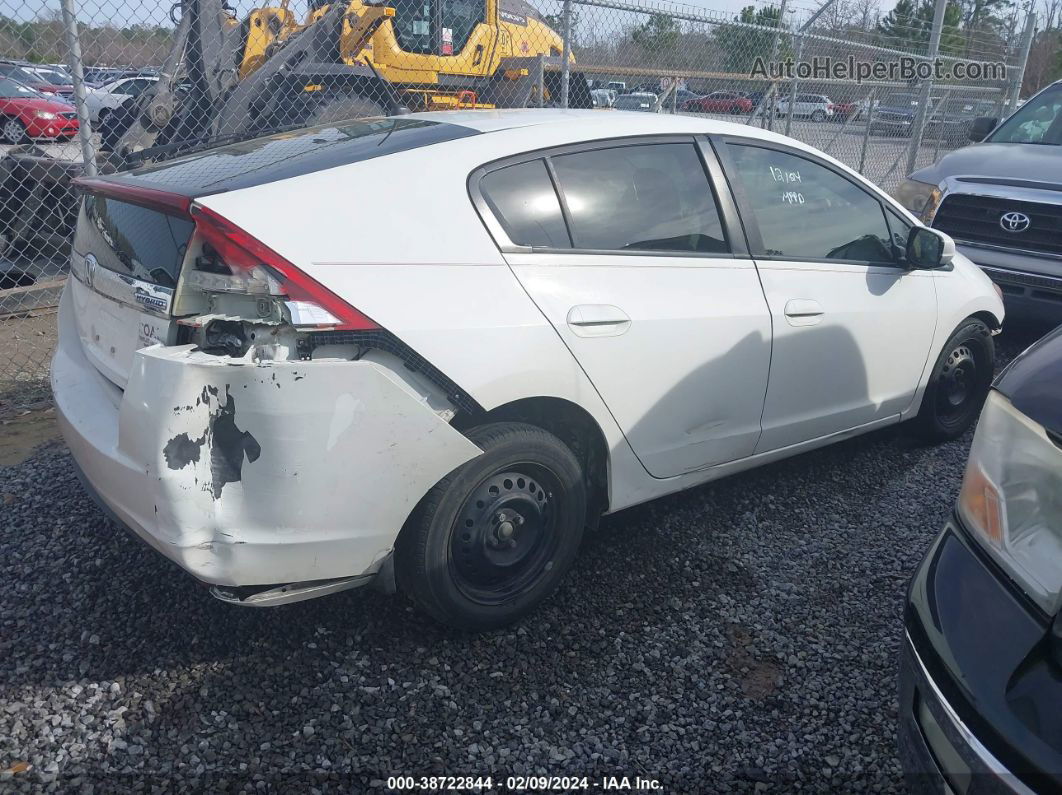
{"points": [[226, 79]]}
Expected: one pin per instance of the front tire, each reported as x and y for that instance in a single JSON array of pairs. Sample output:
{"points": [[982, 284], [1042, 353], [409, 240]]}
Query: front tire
{"points": [[13, 131], [958, 384], [494, 538], [818, 116]]}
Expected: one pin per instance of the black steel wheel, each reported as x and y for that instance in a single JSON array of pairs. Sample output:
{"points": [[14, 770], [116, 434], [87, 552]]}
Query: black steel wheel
{"points": [[494, 538], [958, 384], [506, 531]]}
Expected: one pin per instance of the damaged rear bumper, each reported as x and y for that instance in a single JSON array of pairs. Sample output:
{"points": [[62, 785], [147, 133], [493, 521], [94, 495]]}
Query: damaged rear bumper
{"points": [[254, 474]]}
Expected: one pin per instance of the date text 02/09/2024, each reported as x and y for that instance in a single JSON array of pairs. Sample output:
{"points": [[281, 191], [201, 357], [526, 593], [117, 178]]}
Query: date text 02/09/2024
{"points": [[521, 783]]}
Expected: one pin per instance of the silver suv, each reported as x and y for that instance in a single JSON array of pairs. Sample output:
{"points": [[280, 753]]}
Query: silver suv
{"points": [[1001, 199]]}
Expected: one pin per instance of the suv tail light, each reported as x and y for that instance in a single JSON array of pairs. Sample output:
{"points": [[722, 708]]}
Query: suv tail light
{"points": [[258, 270]]}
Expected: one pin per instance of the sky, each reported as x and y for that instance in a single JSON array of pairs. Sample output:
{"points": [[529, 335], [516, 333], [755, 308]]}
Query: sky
{"points": [[127, 12]]}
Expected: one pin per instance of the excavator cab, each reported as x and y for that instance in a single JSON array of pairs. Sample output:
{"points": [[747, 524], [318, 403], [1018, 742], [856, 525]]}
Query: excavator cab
{"points": [[436, 27]]}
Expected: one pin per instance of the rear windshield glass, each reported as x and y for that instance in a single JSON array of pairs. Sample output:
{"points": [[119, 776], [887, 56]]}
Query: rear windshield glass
{"points": [[291, 154], [133, 240]]}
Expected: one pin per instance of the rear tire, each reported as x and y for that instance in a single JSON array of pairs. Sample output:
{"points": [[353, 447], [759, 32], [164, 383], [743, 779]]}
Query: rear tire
{"points": [[13, 131], [494, 538], [958, 384], [343, 108]]}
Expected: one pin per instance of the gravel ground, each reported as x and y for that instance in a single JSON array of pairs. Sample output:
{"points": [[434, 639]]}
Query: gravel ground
{"points": [[737, 636]]}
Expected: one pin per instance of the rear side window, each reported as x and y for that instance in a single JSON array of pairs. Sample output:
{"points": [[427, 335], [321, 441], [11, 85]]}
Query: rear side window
{"points": [[133, 240], [653, 197], [806, 211], [523, 200]]}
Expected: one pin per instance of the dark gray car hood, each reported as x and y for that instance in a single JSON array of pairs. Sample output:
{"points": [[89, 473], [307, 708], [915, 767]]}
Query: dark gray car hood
{"points": [[1009, 162]]}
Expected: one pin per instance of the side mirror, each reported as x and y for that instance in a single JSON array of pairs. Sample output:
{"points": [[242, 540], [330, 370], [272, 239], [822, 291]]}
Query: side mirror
{"points": [[928, 248], [981, 127]]}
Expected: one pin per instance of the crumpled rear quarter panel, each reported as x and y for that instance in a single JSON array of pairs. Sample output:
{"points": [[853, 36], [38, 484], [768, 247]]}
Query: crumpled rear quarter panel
{"points": [[257, 473]]}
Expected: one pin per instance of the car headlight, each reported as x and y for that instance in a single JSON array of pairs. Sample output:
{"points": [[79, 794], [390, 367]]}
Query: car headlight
{"points": [[44, 114], [921, 198], [1011, 499]]}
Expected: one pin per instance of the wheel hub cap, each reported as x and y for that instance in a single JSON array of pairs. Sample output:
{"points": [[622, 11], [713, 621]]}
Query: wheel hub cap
{"points": [[502, 535]]}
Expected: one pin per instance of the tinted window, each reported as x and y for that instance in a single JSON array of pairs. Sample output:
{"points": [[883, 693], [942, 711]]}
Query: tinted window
{"points": [[9, 89], [134, 240], [1038, 121], [654, 197], [807, 211], [523, 200]]}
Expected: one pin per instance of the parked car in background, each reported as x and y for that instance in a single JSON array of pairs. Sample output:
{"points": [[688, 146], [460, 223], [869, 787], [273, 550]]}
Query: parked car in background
{"points": [[719, 102], [99, 75], [24, 76], [56, 76], [618, 86], [602, 97], [980, 690], [755, 97], [846, 111], [27, 114], [807, 106], [286, 415], [895, 114], [105, 99], [953, 118], [684, 95], [641, 101], [1000, 200]]}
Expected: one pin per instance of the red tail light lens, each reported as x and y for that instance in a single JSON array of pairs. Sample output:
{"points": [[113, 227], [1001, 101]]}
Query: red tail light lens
{"points": [[242, 252]]}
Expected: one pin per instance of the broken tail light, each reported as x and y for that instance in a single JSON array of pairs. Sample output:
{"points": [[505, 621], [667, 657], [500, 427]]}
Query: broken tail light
{"points": [[255, 269]]}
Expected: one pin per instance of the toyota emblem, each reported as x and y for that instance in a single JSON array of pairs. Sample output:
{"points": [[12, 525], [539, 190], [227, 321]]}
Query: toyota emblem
{"points": [[1014, 222]]}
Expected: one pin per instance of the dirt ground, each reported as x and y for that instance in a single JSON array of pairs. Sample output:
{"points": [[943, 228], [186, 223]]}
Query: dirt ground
{"points": [[21, 434], [27, 419]]}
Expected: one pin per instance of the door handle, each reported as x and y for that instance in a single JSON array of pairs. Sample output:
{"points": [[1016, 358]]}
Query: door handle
{"points": [[803, 312], [598, 320]]}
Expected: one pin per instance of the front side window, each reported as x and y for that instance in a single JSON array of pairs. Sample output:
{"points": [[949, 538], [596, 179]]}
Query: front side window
{"points": [[652, 197], [1038, 121], [806, 211], [524, 202]]}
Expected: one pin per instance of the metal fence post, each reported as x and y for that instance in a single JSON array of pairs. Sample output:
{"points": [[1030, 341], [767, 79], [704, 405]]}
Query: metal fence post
{"points": [[927, 86], [73, 45], [774, 56], [540, 80], [866, 129], [793, 85], [566, 53], [1026, 45]]}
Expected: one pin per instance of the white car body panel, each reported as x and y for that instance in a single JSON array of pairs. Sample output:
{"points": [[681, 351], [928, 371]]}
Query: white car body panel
{"points": [[177, 458], [685, 373], [858, 361], [318, 503]]}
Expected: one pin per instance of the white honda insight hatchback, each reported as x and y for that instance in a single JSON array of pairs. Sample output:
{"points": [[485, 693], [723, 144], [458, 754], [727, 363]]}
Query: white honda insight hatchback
{"points": [[428, 350]]}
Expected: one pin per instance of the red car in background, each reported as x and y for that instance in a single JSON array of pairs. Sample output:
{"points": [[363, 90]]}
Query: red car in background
{"points": [[26, 113], [843, 111], [719, 102]]}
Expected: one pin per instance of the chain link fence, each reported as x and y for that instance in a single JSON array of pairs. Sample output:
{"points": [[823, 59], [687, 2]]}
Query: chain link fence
{"points": [[110, 85]]}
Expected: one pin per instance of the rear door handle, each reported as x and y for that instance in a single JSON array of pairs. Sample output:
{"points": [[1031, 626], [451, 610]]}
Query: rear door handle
{"points": [[803, 312], [598, 320]]}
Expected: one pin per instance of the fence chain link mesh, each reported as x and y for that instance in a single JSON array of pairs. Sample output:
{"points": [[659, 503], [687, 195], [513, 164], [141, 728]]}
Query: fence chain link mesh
{"points": [[158, 81]]}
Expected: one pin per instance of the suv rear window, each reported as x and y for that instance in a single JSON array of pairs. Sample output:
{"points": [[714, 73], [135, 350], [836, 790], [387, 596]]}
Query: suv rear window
{"points": [[133, 240]]}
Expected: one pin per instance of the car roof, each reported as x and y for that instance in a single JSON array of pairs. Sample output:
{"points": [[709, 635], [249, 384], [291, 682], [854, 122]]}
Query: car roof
{"points": [[589, 125]]}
